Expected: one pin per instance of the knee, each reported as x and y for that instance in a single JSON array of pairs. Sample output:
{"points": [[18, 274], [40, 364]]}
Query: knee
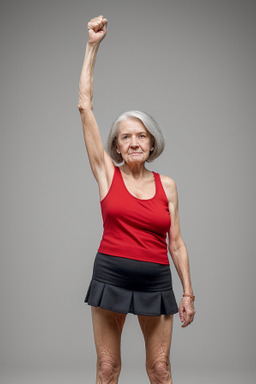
{"points": [[159, 371], [108, 369]]}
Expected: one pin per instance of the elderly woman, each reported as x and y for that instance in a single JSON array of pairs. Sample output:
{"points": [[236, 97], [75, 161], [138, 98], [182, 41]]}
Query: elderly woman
{"points": [[131, 271]]}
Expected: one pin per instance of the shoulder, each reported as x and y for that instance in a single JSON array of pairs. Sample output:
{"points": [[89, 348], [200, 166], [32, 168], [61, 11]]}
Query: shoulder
{"points": [[170, 188]]}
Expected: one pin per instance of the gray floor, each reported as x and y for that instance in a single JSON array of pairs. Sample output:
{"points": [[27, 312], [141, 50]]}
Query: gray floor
{"points": [[137, 377]]}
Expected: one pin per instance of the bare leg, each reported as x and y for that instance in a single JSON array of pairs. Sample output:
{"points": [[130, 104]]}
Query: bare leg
{"points": [[157, 331], [107, 326]]}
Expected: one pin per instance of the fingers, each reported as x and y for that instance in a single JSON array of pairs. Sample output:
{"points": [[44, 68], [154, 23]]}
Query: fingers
{"points": [[188, 320], [97, 24], [186, 311], [181, 314]]}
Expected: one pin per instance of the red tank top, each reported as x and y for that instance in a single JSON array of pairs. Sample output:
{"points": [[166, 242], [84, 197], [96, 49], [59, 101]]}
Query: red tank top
{"points": [[135, 228]]}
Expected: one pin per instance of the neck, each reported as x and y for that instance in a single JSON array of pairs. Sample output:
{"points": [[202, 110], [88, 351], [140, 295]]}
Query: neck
{"points": [[136, 170]]}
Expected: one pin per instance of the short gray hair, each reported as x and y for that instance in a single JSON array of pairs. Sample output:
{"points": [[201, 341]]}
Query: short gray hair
{"points": [[150, 124]]}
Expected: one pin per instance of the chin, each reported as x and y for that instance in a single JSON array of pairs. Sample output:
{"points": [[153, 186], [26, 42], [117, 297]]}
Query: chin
{"points": [[136, 157], [135, 161]]}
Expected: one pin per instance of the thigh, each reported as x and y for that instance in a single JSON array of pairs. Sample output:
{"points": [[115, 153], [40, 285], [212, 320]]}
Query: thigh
{"points": [[107, 327], [157, 332]]}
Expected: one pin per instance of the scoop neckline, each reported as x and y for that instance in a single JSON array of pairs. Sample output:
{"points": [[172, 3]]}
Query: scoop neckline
{"points": [[137, 198]]}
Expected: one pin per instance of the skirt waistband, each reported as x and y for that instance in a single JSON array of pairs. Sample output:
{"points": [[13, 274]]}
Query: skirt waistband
{"points": [[132, 274]]}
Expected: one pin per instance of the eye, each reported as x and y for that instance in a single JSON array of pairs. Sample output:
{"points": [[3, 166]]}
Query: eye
{"points": [[142, 135]]}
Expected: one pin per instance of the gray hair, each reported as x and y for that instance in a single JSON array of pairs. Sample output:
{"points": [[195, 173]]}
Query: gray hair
{"points": [[150, 124]]}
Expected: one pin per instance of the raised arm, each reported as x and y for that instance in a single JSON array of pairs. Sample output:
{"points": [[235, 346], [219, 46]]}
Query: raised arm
{"points": [[101, 164]]}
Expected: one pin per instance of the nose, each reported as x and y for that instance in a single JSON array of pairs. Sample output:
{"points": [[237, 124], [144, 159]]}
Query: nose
{"points": [[134, 142]]}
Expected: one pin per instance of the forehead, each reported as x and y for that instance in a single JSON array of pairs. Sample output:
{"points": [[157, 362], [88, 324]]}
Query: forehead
{"points": [[131, 124]]}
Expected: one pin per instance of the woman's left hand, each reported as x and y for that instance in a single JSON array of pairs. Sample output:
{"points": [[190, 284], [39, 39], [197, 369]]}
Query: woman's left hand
{"points": [[186, 311]]}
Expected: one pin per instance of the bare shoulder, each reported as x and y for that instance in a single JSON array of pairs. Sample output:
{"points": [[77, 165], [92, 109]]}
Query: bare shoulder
{"points": [[170, 188]]}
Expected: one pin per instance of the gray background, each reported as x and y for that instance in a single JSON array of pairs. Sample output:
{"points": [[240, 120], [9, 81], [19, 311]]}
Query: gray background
{"points": [[189, 63]]}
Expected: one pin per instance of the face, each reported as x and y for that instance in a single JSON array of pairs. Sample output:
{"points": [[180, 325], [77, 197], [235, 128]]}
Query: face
{"points": [[133, 141]]}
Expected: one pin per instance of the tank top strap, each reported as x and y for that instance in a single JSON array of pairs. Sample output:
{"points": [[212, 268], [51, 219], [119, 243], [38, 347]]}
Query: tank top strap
{"points": [[118, 180], [118, 177], [159, 186]]}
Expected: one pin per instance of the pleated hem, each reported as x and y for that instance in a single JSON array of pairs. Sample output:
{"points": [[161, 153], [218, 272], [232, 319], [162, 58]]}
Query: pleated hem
{"points": [[122, 300]]}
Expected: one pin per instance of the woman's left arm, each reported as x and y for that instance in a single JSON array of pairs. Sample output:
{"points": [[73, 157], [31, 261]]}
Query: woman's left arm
{"points": [[179, 253]]}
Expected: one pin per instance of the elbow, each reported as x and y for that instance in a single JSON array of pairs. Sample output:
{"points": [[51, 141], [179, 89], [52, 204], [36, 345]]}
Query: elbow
{"points": [[84, 102], [176, 246], [85, 106]]}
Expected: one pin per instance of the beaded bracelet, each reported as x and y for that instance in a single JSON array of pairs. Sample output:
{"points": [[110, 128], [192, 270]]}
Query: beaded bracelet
{"points": [[191, 296]]}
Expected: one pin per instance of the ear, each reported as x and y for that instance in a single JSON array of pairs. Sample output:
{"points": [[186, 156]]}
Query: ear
{"points": [[152, 143]]}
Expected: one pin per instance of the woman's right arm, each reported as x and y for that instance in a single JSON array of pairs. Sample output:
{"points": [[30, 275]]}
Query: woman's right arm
{"points": [[101, 164]]}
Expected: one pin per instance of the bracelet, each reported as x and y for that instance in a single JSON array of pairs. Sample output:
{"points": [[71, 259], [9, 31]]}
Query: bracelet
{"points": [[191, 296]]}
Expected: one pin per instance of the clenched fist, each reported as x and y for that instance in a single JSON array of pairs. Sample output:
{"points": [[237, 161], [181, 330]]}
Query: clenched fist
{"points": [[97, 30]]}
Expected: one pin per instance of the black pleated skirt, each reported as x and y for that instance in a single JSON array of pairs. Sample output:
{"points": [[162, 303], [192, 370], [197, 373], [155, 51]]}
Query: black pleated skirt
{"points": [[130, 286]]}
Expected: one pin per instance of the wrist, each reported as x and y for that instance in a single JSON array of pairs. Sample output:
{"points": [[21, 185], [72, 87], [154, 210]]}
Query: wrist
{"points": [[189, 295], [188, 291], [93, 46], [187, 288]]}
